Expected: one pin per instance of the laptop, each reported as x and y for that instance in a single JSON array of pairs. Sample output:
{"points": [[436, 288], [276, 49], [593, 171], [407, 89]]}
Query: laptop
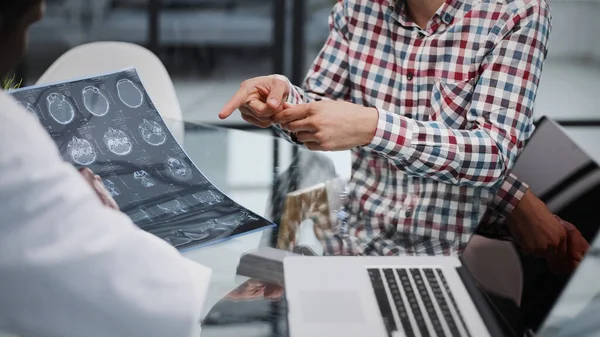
{"points": [[423, 295]]}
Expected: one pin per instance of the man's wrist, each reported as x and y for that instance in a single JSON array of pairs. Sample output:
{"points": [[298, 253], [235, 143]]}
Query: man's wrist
{"points": [[369, 125], [519, 213], [509, 195]]}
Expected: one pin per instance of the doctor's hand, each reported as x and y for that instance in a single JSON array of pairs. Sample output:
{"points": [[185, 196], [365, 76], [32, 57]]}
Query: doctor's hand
{"points": [[329, 125], [258, 99], [98, 186], [536, 230]]}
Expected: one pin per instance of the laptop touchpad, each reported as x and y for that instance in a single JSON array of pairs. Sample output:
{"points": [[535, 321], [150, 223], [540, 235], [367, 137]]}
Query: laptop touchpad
{"points": [[331, 306]]}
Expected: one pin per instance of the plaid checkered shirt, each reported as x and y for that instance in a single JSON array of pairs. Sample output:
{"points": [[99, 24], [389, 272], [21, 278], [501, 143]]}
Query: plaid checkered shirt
{"points": [[455, 101]]}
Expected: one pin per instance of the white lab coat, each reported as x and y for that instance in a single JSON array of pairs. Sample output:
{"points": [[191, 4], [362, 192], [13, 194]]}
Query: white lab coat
{"points": [[70, 266]]}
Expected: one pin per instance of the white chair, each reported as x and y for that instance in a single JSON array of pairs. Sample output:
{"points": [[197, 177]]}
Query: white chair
{"points": [[104, 57]]}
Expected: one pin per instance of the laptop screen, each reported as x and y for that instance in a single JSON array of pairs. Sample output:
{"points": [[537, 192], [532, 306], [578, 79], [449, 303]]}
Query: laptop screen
{"points": [[568, 180], [562, 175]]}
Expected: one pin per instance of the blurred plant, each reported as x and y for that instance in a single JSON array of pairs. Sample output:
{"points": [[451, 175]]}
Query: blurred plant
{"points": [[9, 83]]}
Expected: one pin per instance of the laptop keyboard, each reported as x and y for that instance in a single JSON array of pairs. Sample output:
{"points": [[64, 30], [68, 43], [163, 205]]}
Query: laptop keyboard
{"points": [[416, 302]]}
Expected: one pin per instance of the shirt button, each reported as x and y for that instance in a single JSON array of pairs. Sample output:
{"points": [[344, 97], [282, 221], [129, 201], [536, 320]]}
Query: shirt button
{"points": [[420, 36], [408, 213], [410, 76], [447, 18]]}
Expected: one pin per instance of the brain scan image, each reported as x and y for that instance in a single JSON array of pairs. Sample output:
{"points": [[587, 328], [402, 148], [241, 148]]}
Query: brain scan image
{"points": [[144, 178], [176, 240], [117, 142], [60, 108], [29, 108], [152, 133], [140, 215], [129, 93], [178, 169], [205, 231], [81, 151], [244, 216], [237, 219], [94, 101], [208, 198], [112, 189], [210, 229], [174, 207]]}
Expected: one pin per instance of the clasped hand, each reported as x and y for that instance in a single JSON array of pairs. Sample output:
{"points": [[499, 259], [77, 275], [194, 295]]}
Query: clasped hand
{"points": [[321, 125], [540, 233], [329, 125]]}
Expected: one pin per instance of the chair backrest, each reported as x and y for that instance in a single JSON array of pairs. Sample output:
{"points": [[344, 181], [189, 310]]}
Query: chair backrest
{"points": [[104, 57], [496, 266]]}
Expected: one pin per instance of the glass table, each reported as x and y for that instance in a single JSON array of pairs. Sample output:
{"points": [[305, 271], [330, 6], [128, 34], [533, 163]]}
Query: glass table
{"points": [[242, 165], [257, 170]]}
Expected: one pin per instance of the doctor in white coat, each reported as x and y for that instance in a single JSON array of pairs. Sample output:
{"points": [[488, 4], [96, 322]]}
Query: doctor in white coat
{"points": [[71, 265]]}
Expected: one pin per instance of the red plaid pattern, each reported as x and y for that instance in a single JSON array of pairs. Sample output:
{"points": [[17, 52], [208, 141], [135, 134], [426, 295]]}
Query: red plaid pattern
{"points": [[455, 104]]}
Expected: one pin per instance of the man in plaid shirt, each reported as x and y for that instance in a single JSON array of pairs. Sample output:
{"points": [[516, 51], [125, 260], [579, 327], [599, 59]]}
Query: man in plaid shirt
{"points": [[435, 99]]}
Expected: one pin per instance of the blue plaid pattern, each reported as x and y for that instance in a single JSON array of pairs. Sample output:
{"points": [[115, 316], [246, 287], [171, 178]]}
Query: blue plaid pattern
{"points": [[455, 103]]}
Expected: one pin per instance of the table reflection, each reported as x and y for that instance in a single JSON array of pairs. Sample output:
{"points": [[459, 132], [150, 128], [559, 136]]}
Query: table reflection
{"points": [[255, 308]]}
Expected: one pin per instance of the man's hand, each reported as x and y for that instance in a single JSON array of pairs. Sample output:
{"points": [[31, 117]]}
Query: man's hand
{"points": [[577, 247], [329, 125], [258, 99], [98, 187], [536, 230]]}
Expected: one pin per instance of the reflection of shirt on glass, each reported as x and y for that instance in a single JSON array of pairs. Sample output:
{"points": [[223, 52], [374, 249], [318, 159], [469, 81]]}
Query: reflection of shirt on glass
{"points": [[455, 106]]}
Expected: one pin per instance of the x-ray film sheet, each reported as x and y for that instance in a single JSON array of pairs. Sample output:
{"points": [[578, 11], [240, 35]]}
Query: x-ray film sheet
{"points": [[109, 124]]}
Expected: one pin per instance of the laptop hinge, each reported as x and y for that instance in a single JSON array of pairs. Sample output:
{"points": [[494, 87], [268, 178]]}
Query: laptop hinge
{"points": [[491, 316]]}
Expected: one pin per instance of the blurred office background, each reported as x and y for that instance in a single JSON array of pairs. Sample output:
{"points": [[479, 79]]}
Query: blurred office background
{"points": [[210, 46]]}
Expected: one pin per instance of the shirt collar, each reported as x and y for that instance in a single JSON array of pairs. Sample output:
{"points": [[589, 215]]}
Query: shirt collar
{"points": [[447, 11]]}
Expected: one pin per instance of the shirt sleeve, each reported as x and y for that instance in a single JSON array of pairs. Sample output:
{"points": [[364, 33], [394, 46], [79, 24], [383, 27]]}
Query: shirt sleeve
{"points": [[328, 76], [494, 222], [496, 123], [510, 193], [70, 266]]}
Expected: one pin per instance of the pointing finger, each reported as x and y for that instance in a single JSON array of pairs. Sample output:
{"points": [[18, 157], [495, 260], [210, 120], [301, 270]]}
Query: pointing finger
{"points": [[234, 103]]}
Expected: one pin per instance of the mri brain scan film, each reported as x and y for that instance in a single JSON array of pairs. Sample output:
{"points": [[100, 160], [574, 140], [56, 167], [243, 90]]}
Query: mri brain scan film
{"points": [[94, 101], [108, 124], [117, 142], [60, 108], [129, 94], [178, 169], [144, 178], [81, 151], [152, 133], [111, 187]]}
